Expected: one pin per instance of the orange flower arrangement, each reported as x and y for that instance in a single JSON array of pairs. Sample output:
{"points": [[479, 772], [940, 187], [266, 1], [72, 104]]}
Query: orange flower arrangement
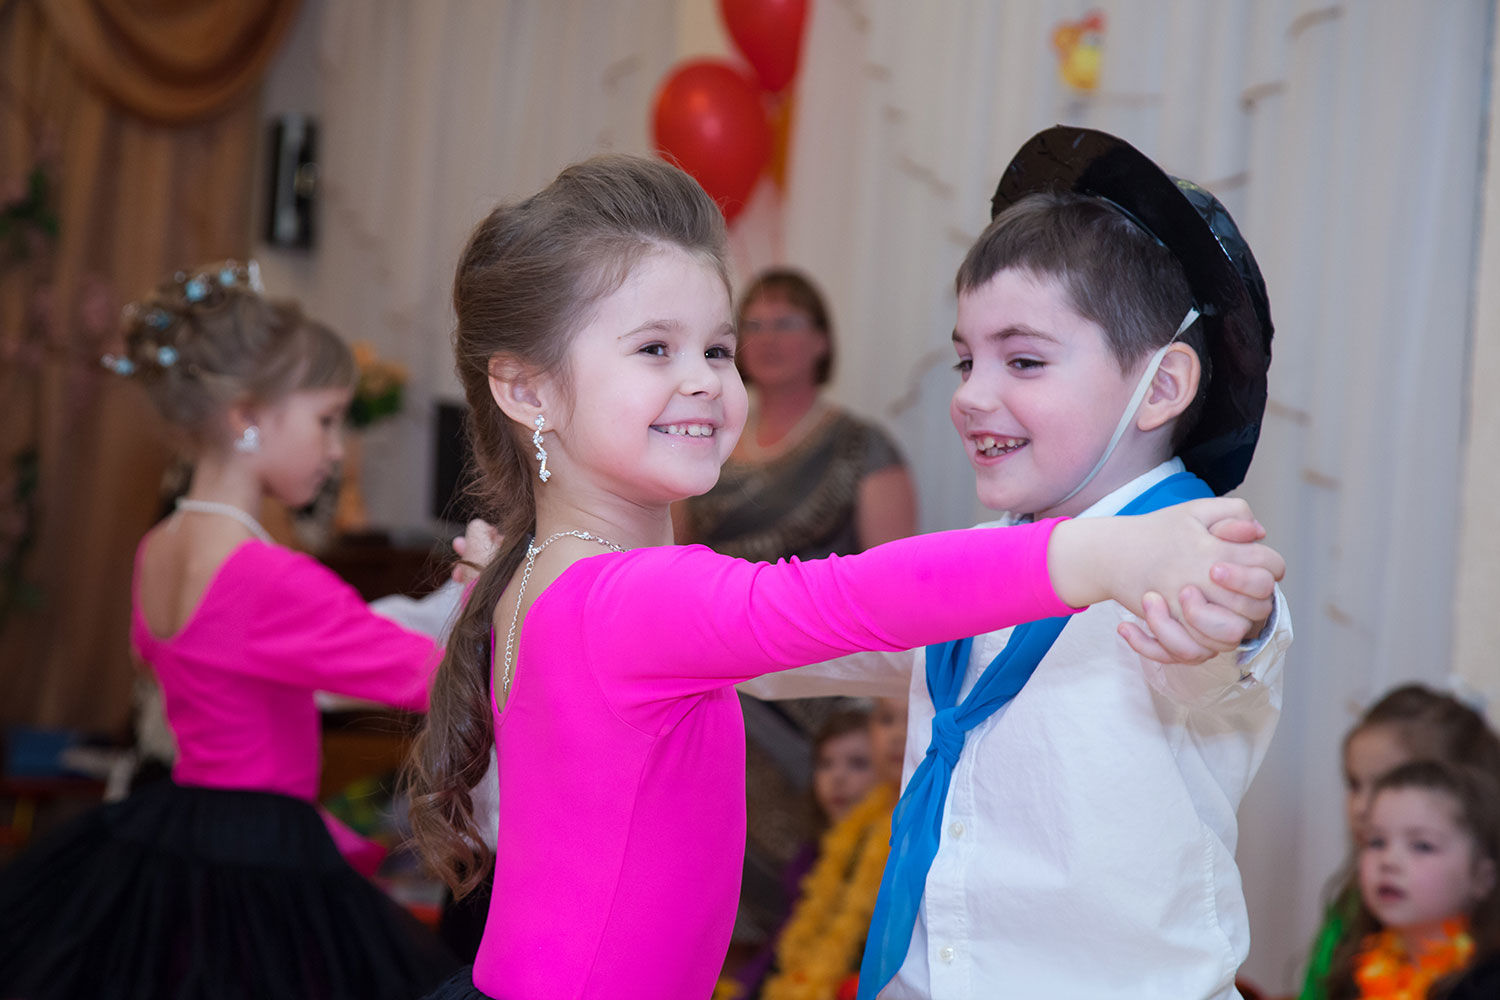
{"points": [[1385, 970]]}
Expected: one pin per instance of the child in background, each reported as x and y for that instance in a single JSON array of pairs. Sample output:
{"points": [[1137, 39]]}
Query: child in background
{"points": [[596, 348], [818, 954], [1411, 722], [1428, 906], [1068, 825], [226, 881], [843, 774]]}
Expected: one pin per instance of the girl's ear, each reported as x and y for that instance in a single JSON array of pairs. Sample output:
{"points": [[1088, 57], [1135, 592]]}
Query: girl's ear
{"points": [[1172, 388], [242, 413], [515, 390]]}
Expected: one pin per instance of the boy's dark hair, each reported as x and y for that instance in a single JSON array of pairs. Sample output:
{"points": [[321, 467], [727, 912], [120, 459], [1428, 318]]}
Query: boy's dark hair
{"points": [[1114, 273], [798, 291]]}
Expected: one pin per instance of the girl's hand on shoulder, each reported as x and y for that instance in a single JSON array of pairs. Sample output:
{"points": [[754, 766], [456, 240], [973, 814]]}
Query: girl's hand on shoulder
{"points": [[475, 548]]}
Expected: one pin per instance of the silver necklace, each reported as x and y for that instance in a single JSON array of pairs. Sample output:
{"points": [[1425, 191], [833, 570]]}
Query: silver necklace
{"points": [[228, 510], [532, 551]]}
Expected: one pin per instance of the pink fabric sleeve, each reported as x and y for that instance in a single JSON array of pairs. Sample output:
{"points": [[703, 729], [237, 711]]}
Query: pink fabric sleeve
{"points": [[687, 620], [311, 628]]}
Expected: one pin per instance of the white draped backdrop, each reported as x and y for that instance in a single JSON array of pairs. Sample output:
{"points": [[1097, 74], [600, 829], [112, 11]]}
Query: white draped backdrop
{"points": [[1348, 139]]}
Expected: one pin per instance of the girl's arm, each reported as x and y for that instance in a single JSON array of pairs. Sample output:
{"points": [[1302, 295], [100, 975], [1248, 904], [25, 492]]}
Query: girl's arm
{"points": [[310, 628], [679, 620]]}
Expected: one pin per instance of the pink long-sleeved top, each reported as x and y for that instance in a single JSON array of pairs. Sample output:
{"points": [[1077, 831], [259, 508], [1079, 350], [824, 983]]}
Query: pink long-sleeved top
{"points": [[238, 678], [622, 746]]}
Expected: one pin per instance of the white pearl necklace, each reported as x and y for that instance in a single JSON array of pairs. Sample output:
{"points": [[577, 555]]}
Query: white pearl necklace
{"points": [[228, 510], [532, 551]]}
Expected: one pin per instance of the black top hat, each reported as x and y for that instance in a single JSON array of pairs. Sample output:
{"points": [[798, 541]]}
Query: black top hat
{"points": [[1227, 288]]}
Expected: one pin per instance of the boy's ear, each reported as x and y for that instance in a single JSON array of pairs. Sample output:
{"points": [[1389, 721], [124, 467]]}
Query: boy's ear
{"points": [[1172, 389], [515, 390]]}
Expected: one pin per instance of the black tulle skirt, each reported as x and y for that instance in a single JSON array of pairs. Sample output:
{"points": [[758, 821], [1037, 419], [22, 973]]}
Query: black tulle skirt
{"points": [[460, 986], [182, 892]]}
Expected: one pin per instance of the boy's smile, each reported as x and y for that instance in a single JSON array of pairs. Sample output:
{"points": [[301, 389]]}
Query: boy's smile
{"points": [[1040, 396]]}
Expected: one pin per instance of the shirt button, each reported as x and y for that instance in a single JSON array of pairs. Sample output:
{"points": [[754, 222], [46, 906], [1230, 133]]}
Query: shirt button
{"points": [[956, 829], [947, 954]]}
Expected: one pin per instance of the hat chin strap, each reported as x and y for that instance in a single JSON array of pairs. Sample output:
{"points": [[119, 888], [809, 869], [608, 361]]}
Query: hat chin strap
{"points": [[1128, 416]]}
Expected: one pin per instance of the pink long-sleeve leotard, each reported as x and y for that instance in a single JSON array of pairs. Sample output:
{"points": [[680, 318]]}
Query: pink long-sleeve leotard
{"points": [[238, 678], [621, 745]]}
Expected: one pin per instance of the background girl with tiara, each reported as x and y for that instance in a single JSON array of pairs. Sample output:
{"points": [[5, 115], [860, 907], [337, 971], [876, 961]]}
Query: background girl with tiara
{"points": [[225, 881], [596, 348]]}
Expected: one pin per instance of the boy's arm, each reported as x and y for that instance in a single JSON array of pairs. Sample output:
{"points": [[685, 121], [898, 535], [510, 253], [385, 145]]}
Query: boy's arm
{"points": [[873, 674]]}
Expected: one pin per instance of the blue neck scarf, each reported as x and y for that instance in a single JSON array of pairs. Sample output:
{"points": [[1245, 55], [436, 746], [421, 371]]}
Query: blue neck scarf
{"points": [[917, 820]]}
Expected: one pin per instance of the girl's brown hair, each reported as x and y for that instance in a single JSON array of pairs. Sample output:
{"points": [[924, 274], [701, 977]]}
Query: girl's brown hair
{"points": [[207, 339], [526, 282], [1476, 792]]}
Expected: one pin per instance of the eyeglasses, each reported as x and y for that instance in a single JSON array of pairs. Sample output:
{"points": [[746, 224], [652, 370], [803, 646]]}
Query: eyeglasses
{"points": [[781, 324]]}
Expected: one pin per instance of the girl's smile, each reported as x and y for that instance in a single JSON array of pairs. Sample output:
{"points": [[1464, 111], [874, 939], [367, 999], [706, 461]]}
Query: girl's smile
{"points": [[657, 402]]}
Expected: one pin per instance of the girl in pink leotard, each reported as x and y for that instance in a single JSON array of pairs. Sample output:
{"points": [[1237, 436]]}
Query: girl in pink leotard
{"points": [[225, 881], [596, 347]]}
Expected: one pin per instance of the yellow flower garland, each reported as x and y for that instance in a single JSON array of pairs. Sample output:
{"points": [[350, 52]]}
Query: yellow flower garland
{"points": [[818, 947], [1385, 971]]}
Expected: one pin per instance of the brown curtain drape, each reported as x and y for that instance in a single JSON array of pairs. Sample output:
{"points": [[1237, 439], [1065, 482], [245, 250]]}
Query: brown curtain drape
{"points": [[141, 115]]}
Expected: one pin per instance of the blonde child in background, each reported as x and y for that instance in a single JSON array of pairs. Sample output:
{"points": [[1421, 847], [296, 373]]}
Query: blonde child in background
{"points": [[1428, 911], [595, 344], [819, 951], [226, 880], [1410, 722]]}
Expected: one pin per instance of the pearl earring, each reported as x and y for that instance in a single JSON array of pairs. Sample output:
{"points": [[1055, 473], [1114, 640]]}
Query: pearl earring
{"points": [[544, 473], [249, 440]]}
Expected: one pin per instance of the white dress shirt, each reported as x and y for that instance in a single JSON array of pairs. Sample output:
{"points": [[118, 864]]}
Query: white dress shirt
{"points": [[1089, 832]]}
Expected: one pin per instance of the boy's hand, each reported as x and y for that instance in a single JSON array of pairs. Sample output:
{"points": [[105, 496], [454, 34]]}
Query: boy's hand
{"points": [[474, 548], [1205, 631]]}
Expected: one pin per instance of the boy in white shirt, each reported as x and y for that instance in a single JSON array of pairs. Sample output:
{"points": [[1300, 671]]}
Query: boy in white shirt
{"points": [[1068, 825]]}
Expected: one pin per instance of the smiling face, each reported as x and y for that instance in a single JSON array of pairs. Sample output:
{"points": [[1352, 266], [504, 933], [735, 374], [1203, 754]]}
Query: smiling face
{"points": [[301, 442], [656, 402], [1039, 398], [1420, 866]]}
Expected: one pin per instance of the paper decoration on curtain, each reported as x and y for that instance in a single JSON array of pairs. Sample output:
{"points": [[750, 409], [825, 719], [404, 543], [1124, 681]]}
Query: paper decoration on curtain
{"points": [[727, 126], [1080, 49]]}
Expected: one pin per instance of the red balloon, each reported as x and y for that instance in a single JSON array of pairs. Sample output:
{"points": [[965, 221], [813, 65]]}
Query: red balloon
{"points": [[711, 121], [769, 34]]}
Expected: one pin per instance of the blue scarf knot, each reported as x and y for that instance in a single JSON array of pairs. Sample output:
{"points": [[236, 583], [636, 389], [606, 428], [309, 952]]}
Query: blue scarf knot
{"points": [[948, 736], [916, 823]]}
